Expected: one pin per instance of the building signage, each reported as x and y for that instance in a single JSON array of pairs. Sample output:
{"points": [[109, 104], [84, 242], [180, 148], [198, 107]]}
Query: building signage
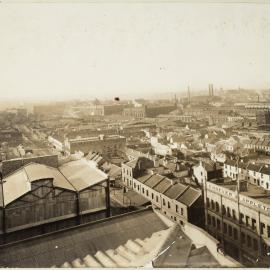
{"points": [[254, 203], [243, 199], [221, 190]]}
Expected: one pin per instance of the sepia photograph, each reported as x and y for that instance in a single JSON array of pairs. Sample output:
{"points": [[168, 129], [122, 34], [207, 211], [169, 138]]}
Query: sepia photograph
{"points": [[134, 134]]}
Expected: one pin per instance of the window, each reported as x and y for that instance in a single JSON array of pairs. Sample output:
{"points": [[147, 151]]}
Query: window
{"points": [[235, 234], [208, 219], [217, 207], [212, 204], [228, 212], [247, 220], [147, 193], [152, 196], [134, 185], [248, 241], [268, 231], [223, 210], [225, 228], [207, 202], [143, 190], [176, 208], [218, 224], [230, 230], [241, 218], [243, 238], [182, 211], [262, 226], [174, 218], [138, 187], [233, 214], [255, 244], [253, 224], [156, 198], [213, 221], [169, 205], [164, 203]]}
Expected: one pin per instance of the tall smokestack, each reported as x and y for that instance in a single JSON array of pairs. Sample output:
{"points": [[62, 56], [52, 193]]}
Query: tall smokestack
{"points": [[211, 90], [188, 94]]}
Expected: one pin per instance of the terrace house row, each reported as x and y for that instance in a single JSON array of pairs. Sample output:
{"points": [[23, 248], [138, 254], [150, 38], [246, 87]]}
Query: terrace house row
{"points": [[181, 203], [257, 174]]}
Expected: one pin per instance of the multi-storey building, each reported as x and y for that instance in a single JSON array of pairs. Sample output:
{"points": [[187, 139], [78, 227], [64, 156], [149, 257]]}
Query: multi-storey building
{"points": [[257, 174], [135, 112], [259, 145], [181, 203], [107, 146], [107, 109], [263, 117], [155, 110], [209, 169], [238, 215]]}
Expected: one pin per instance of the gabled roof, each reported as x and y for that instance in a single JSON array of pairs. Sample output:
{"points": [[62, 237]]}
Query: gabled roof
{"points": [[81, 174], [132, 163], [163, 185], [175, 191], [114, 170], [265, 169], [144, 178], [15, 186], [19, 182], [254, 167], [154, 180], [230, 162], [189, 196]]}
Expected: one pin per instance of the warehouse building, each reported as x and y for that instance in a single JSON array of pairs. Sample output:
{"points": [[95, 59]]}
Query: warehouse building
{"points": [[36, 198]]}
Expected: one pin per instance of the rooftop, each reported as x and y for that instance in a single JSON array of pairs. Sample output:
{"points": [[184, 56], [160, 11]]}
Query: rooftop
{"points": [[175, 191], [130, 240], [74, 176], [253, 191], [81, 174], [105, 137], [153, 180]]}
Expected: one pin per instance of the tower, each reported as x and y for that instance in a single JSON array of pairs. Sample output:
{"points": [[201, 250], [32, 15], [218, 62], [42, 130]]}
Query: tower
{"points": [[211, 90], [188, 94]]}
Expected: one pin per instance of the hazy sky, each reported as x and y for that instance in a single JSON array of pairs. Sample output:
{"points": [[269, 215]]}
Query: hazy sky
{"points": [[104, 50]]}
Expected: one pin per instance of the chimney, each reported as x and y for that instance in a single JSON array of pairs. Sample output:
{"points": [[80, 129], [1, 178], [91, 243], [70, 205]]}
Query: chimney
{"points": [[188, 95], [242, 185]]}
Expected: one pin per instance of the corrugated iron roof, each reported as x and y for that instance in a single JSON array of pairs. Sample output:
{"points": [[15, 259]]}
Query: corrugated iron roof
{"points": [[74, 243], [175, 191], [15, 186], [81, 174], [154, 180], [144, 178], [163, 185], [189, 196]]}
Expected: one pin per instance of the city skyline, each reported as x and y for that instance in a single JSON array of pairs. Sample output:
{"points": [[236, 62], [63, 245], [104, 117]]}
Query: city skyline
{"points": [[55, 51]]}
